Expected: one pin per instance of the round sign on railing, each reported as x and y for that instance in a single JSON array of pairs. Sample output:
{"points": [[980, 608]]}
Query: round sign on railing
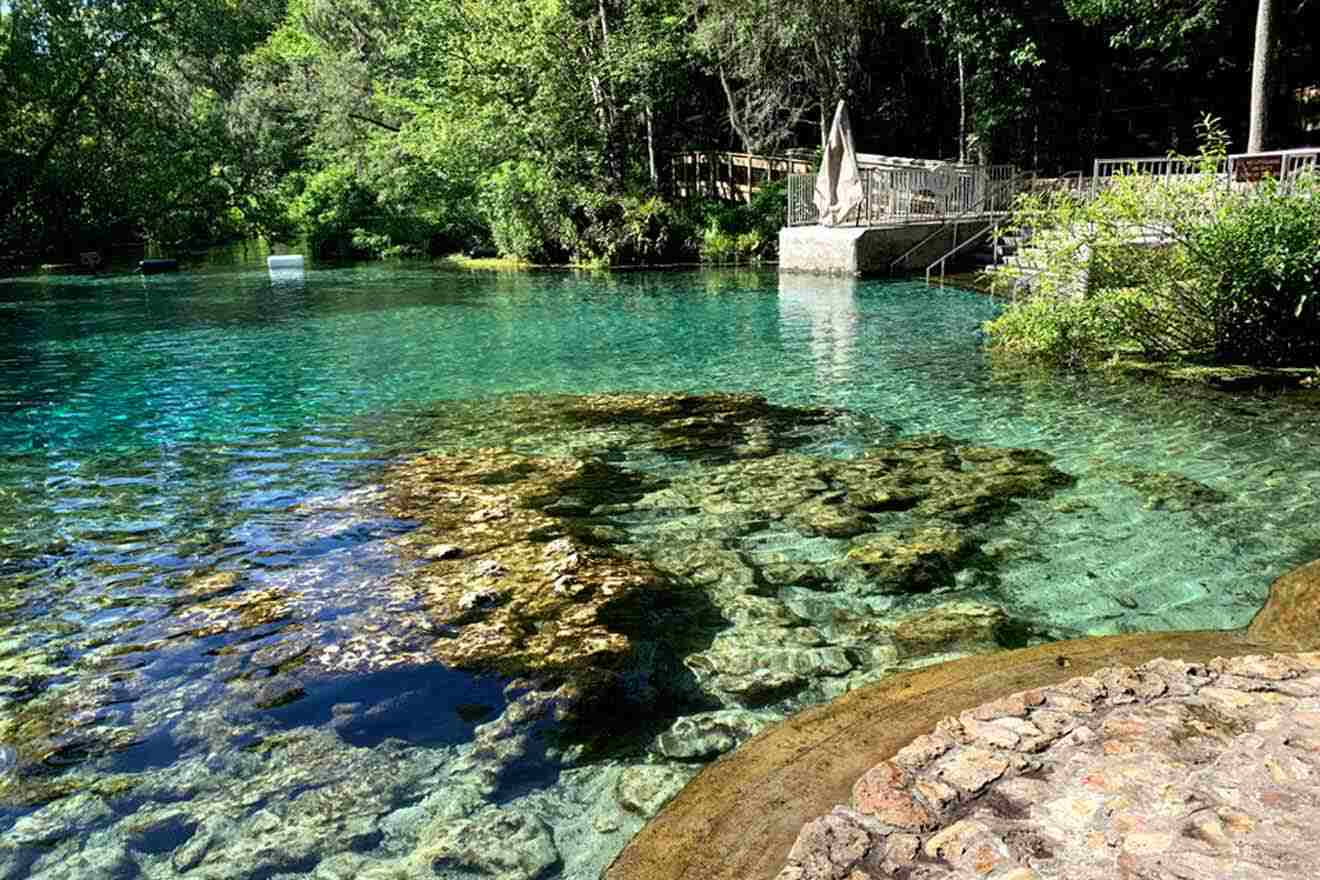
{"points": [[941, 179]]}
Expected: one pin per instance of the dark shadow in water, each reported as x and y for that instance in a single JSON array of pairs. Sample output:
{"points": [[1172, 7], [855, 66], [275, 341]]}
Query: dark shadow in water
{"points": [[158, 749], [166, 836], [429, 705], [655, 688]]}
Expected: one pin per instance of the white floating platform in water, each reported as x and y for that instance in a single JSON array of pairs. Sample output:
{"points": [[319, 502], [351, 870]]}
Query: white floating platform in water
{"points": [[288, 261]]}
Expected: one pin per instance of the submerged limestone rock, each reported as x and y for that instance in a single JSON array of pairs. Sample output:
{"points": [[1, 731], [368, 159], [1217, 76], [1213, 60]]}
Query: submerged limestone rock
{"points": [[524, 596], [222, 612], [685, 426], [548, 560], [965, 627], [1162, 490], [707, 734], [913, 562], [496, 843], [645, 788], [751, 667]]}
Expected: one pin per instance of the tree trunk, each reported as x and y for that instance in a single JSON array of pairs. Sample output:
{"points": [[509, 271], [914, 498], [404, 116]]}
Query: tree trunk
{"points": [[1260, 78], [962, 109], [735, 115], [650, 144]]}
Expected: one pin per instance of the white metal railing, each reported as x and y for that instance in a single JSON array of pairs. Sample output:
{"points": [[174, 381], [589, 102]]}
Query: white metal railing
{"points": [[997, 200], [993, 225], [894, 193], [1284, 166], [801, 200], [1154, 166]]}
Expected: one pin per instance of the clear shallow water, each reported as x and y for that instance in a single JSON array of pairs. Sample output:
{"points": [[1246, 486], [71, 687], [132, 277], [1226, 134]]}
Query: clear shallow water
{"points": [[187, 469]]}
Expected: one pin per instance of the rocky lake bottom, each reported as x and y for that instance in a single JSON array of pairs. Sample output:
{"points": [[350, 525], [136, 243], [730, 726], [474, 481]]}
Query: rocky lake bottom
{"points": [[388, 572], [568, 604]]}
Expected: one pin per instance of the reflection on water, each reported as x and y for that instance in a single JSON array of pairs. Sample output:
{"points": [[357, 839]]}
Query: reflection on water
{"points": [[828, 308], [214, 656], [287, 277]]}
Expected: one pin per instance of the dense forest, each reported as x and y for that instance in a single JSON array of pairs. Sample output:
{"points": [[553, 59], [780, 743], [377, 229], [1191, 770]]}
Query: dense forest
{"points": [[544, 126]]}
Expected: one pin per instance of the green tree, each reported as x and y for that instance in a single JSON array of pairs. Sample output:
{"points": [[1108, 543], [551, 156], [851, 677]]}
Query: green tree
{"points": [[778, 61], [110, 113]]}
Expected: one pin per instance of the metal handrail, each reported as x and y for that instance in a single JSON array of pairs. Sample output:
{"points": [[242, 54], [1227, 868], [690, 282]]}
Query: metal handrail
{"points": [[1010, 185], [993, 224]]}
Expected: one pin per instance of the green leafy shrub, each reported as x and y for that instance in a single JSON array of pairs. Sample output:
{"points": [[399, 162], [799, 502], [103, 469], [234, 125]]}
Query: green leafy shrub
{"points": [[331, 204], [525, 211], [742, 231], [1173, 267], [1260, 261], [718, 246], [624, 229], [344, 217], [1067, 332], [533, 217]]}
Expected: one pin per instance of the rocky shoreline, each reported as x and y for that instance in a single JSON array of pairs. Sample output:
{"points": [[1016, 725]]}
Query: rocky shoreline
{"points": [[1169, 769], [1092, 758]]}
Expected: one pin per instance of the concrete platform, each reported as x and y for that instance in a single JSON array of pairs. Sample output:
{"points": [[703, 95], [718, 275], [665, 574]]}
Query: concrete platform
{"points": [[868, 250]]}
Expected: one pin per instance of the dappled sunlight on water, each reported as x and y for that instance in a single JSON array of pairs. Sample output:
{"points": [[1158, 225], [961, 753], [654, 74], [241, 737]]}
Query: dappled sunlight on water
{"points": [[220, 626]]}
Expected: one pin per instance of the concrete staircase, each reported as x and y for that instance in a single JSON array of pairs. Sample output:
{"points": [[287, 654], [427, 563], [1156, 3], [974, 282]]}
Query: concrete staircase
{"points": [[1009, 260]]}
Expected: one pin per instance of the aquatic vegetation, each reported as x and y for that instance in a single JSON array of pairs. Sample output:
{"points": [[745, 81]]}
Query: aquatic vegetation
{"points": [[1162, 490]]}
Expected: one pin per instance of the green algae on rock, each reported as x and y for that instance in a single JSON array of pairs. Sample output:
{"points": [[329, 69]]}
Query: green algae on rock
{"points": [[914, 562], [680, 552], [1162, 490], [683, 426], [549, 558], [968, 625], [523, 596]]}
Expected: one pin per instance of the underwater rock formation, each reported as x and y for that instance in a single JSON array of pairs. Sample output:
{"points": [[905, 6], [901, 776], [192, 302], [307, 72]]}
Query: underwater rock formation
{"points": [[550, 554], [959, 624], [686, 568], [522, 596], [1162, 490]]}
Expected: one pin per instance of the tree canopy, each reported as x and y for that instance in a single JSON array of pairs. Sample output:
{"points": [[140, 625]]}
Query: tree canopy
{"points": [[379, 125]]}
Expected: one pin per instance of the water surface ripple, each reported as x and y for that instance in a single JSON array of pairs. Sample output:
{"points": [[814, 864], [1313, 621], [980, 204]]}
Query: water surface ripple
{"points": [[191, 518]]}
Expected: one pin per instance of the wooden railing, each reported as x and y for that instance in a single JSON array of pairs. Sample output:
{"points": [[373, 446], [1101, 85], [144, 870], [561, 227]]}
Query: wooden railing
{"points": [[730, 176]]}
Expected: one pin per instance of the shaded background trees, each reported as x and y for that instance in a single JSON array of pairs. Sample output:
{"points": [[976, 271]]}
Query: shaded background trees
{"points": [[387, 125]]}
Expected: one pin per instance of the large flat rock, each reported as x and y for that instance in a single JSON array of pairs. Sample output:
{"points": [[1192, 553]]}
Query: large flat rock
{"points": [[740, 817], [1291, 614], [1169, 769]]}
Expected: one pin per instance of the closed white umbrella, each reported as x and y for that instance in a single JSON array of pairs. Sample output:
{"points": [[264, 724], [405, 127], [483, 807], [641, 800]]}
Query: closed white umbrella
{"points": [[839, 181]]}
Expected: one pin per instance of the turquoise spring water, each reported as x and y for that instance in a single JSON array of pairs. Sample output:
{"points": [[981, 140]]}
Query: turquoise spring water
{"points": [[158, 430]]}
